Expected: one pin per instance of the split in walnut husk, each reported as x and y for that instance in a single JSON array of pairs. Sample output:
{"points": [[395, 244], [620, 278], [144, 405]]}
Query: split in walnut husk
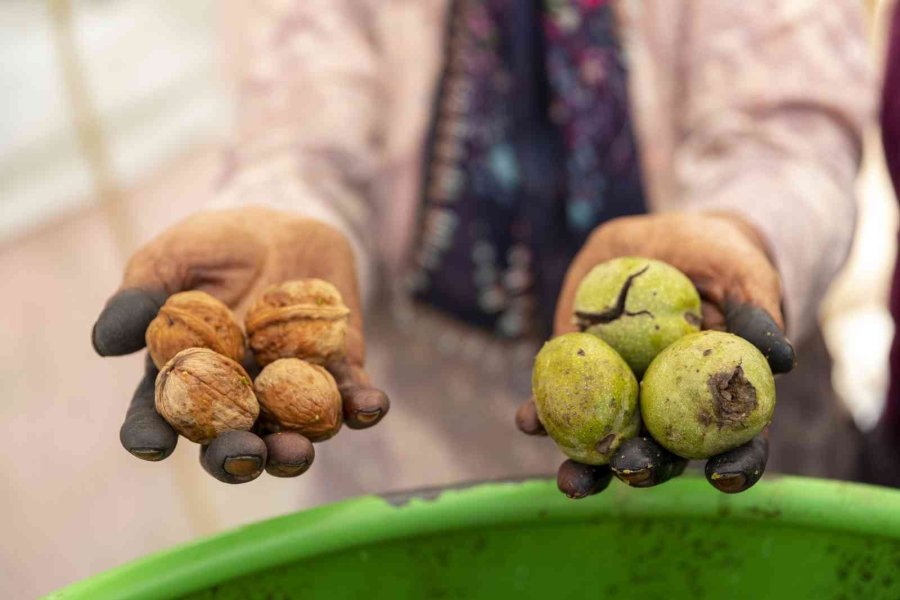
{"points": [[295, 395], [304, 319], [194, 320], [203, 394]]}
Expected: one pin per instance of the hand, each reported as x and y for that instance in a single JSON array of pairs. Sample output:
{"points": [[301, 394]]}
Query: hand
{"points": [[233, 255], [740, 291]]}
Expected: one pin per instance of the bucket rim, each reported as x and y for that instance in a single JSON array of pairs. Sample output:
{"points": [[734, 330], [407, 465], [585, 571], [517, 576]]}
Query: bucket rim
{"points": [[813, 504]]}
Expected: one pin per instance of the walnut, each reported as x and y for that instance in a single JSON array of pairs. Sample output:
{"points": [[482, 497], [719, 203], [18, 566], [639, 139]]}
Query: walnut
{"points": [[202, 394], [298, 319], [295, 395], [194, 320]]}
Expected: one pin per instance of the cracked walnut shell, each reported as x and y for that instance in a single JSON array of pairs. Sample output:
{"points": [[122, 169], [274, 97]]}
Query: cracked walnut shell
{"points": [[304, 319], [295, 395], [202, 394], [194, 320]]}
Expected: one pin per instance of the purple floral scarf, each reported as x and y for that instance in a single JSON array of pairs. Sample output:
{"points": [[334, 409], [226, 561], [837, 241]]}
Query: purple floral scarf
{"points": [[531, 147]]}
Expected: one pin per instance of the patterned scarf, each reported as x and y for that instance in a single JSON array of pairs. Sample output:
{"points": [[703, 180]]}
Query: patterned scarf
{"points": [[531, 147]]}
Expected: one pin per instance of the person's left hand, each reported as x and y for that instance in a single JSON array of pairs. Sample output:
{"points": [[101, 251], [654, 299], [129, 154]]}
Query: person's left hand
{"points": [[727, 261]]}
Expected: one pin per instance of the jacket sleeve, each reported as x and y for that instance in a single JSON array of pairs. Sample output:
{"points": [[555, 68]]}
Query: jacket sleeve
{"points": [[775, 97], [307, 113]]}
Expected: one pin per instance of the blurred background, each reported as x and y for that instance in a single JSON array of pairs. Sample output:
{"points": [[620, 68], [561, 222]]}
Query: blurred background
{"points": [[112, 116]]}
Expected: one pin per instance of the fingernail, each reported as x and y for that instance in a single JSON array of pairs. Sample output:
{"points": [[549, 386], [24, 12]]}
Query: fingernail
{"points": [[635, 478], [287, 469], [151, 454], [729, 483], [242, 466], [368, 415]]}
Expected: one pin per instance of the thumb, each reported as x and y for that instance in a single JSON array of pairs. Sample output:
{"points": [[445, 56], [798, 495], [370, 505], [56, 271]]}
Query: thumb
{"points": [[122, 323]]}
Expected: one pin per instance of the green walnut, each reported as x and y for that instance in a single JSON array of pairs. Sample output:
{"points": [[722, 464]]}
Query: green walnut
{"points": [[586, 397], [638, 306], [707, 393]]}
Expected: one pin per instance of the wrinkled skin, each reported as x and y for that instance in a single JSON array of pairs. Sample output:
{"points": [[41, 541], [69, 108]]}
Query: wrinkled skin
{"points": [[727, 261], [234, 255]]}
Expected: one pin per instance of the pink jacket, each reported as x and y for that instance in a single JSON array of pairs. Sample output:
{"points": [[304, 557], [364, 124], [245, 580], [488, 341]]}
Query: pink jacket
{"points": [[751, 107]]}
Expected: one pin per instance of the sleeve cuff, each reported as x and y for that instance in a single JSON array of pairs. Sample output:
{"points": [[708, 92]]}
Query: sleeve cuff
{"points": [[808, 235]]}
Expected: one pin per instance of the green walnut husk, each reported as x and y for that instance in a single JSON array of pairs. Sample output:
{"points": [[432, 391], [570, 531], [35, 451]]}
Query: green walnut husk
{"points": [[638, 306], [707, 393], [586, 397]]}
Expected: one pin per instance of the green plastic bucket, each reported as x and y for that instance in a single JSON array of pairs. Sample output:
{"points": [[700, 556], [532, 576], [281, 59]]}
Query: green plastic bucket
{"points": [[785, 538]]}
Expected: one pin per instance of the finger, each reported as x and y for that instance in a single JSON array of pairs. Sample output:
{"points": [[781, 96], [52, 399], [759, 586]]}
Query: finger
{"points": [[577, 480], [289, 454], [758, 327], [363, 405], [739, 469], [145, 434], [527, 420], [712, 317], [234, 457], [121, 325], [250, 364], [641, 462]]}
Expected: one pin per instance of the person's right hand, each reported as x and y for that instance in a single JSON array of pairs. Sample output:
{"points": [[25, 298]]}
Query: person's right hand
{"points": [[234, 255]]}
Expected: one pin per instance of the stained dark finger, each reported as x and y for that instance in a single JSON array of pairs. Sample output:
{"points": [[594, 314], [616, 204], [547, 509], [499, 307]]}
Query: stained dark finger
{"points": [[756, 326], [577, 480], [289, 454], [234, 457], [121, 325], [145, 433], [641, 462], [527, 420], [739, 469], [250, 365], [363, 405]]}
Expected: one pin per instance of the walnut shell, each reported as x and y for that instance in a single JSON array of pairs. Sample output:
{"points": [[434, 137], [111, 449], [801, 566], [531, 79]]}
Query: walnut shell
{"points": [[298, 319], [194, 320], [202, 394], [295, 395]]}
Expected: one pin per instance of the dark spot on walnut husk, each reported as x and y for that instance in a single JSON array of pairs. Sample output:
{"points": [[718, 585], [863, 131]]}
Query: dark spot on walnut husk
{"points": [[692, 319], [707, 352], [734, 397], [704, 418], [580, 352], [604, 445]]}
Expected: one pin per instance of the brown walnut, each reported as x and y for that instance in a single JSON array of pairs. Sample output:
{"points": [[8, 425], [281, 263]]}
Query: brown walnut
{"points": [[295, 395], [298, 319], [202, 394], [194, 320]]}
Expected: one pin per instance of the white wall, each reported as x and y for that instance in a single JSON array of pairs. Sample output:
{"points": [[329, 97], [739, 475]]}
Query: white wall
{"points": [[150, 70]]}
